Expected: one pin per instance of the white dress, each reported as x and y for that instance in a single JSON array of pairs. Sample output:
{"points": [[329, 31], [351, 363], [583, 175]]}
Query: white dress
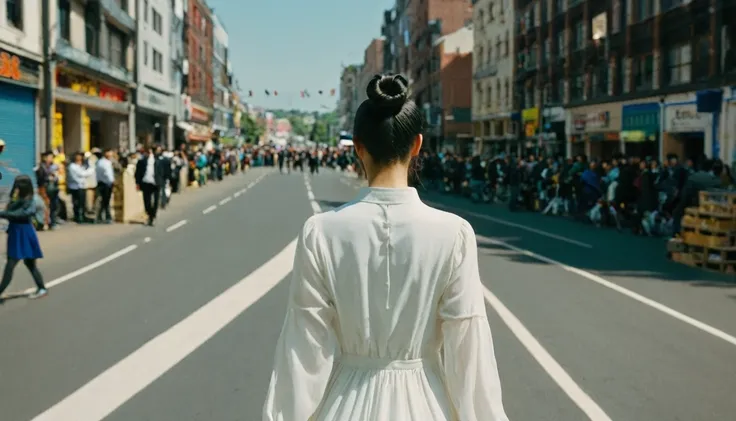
{"points": [[386, 319]]}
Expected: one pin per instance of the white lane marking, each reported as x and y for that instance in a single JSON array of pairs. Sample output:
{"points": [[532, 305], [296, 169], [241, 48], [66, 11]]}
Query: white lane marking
{"points": [[253, 183], [85, 269], [310, 195], [225, 200], [624, 291], [210, 209], [548, 363], [237, 194], [177, 225], [515, 225], [147, 240], [102, 395]]}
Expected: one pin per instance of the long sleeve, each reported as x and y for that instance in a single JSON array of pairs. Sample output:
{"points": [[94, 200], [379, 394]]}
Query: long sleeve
{"points": [[21, 213], [469, 361], [308, 344]]}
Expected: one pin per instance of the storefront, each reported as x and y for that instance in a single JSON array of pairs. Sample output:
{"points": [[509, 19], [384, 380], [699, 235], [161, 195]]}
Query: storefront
{"points": [[154, 122], [89, 113], [640, 129], [200, 123], [530, 129], [687, 132], [553, 131], [594, 131], [19, 80]]}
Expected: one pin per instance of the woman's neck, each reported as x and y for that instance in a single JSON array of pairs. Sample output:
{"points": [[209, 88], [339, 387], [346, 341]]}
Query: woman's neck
{"points": [[393, 176]]}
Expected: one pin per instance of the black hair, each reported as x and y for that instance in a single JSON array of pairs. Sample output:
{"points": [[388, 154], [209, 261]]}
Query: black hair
{"points": [[387, 123], [23, 186]]}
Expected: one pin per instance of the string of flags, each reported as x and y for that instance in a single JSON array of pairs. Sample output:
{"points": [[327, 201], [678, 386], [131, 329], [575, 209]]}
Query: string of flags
{"points": [[304, 94]]}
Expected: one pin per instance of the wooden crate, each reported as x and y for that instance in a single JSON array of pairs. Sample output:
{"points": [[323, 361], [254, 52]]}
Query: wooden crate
{"points": [[718, 202], [717, 259]]}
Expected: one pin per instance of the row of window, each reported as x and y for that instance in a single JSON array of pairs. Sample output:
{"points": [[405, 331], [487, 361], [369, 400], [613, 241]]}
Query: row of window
{"points": [[487, 54], [158, 25], [158, 58], [495, 96]]}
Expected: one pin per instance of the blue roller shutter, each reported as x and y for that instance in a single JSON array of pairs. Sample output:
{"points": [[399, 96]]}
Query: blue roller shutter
{"points": [[18, 130]]}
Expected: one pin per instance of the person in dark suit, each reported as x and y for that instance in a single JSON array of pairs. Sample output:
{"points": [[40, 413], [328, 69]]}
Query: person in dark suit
{"points": [[165, 164], [150, 179]]}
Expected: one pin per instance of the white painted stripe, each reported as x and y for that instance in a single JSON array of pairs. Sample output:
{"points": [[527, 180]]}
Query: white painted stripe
{"points": [[549, 364], [252, 184], [85, 269], [310, 195], [618, 288], [147, 240], [514, 225], [102, 395], [210, 209], [237, 194], [225, 200], [177, 225], [316, 208]]}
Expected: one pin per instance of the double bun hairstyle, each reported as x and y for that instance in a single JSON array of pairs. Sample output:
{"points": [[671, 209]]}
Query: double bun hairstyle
{"points": [[388, 122]]}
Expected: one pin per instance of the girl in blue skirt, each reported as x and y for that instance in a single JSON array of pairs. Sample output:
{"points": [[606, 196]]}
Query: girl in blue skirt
{"points": [[22, 239]]}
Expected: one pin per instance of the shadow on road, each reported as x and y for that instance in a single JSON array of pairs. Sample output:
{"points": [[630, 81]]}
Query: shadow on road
{"points": [[609, 253]]}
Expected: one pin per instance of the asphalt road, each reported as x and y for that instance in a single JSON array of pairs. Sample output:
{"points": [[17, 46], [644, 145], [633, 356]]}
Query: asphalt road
{"points": [[587, 323]]}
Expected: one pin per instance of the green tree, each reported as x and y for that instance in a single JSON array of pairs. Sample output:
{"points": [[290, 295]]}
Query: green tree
{"points": [[320, 132], [252, 129], [297, 125]]}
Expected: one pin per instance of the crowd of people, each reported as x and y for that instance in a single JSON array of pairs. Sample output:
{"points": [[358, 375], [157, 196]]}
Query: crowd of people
{"points": [[648, 196]]}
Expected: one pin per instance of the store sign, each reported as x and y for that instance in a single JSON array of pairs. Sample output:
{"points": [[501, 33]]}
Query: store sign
{"points": [[685, 118], [553, 114], [18, 68], [591, 121], [199, 114], [148, 98], [83, 85]]}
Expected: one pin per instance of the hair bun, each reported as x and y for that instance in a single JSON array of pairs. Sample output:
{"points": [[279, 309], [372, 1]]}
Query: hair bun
{"points": [[388, 92]]}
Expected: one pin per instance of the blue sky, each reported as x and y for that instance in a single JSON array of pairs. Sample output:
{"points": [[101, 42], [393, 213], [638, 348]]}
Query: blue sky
{"points": [[292, 45]]}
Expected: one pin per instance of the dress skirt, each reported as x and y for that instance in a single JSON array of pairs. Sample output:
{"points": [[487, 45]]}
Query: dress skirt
{"points": [[23, 242]]}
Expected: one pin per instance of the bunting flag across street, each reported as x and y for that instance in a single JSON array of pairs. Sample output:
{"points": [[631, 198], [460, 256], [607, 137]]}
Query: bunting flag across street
{"points": [[304, 93]]}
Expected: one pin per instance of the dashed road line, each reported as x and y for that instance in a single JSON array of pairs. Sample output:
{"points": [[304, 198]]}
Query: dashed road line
{"points": [[176, 225], [81, 271], [225, 200], [237, 194], [621, 290], [210, 209], [147, 240]]}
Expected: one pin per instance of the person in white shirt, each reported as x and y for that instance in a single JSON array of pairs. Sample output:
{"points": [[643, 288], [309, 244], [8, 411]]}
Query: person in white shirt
{"points": [[76, 185], [105, 181], [386, 318]]}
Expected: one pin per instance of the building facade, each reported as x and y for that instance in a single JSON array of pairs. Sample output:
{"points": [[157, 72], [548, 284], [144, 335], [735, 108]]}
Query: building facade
{"points": [[93, 53], [199, 83], [449, 110], [372, 65], [155, 95], [222, 110], [429, 20], [348, 102], [178, 64], [629, 75], [396, 30], [494, 128], [20, 83]]}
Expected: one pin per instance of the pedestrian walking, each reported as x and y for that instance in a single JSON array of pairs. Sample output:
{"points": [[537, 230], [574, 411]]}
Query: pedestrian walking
{"points": [[149, 179], [379, 293], [22, 241]]}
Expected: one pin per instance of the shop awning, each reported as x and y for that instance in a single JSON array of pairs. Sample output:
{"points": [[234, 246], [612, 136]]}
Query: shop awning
{"points": [[184, 126]]}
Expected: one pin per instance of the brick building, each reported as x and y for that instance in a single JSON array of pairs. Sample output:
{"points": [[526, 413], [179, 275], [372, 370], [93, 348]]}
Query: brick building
{"points": [[200, 89], [372, 65], [628, 74], [431, 19], [451, 81]]}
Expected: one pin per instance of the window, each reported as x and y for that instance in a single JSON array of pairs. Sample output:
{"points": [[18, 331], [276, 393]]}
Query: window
{"points": [[91, 31], [679, 61], [64, 16], [158, 61], [201, 54], [560, 6], [643, 71], [145, 11], [577, 87], [599, 81], [157, 22], [491, 16], [117, 52], [506, 45], [489, 96], [145, 53], [203, 25], [489, 55], [616, 17], [646, 9], [14, 13], [579, 35], [561, 53], [546, 50]]}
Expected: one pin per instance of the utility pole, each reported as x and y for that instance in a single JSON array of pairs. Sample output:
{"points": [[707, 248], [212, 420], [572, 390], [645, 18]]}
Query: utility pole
{"points": [[48, 81]]}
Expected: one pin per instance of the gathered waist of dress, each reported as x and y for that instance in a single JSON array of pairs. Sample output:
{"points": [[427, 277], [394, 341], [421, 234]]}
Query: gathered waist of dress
{"points": [[373, 363]]}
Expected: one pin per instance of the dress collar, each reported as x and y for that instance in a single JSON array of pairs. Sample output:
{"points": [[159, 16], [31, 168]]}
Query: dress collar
{"points": [[386, 195]]}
